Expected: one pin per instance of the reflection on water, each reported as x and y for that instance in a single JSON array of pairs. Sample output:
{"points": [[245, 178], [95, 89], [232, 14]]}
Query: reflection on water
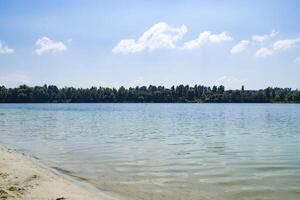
{"points": [[165, 151]]}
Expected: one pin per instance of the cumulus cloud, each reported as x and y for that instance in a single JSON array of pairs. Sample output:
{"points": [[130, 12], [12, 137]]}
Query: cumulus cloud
{"points": [[206, 37], [230, 81], [241, 46], [297, 60], [263, 52], [261, 38], [280, 45], [46, 45], [160, 35], [285, 44], [4, 49], [14, 80], [138, 81]]}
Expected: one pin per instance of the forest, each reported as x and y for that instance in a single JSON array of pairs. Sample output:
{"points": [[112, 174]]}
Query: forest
{"points": [[146, 94]]}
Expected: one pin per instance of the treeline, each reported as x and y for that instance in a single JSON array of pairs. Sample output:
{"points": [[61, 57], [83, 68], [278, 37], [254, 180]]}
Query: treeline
{"points": [[155, 94]]}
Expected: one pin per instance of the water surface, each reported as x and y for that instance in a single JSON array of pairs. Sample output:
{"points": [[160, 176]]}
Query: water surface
{"points": [[165, 151]]}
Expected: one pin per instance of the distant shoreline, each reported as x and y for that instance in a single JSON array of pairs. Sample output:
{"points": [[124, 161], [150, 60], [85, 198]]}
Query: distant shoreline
{"points": [[146, 94], [24, 178], [148, 103]]}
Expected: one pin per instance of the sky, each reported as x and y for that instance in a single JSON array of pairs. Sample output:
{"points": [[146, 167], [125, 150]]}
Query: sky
{"points": [[133, 43]]}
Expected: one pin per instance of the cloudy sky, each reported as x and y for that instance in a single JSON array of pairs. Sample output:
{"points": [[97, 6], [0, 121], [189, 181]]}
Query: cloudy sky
{"points": [[114, 43]]}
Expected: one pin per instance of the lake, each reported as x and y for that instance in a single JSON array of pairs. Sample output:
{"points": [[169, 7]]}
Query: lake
{"points": [[165, 151]]}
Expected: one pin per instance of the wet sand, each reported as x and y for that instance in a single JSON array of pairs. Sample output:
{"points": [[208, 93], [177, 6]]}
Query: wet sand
{"points": [[24, 178]]}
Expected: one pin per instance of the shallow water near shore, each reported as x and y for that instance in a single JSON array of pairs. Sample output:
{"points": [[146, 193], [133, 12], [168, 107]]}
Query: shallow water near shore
{"points": [[165, 151]]}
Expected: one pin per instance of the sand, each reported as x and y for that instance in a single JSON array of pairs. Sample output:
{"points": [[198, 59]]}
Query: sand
{"points": [[24, 178]]}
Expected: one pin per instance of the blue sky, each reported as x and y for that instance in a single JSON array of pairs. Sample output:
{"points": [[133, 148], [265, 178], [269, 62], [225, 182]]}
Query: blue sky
{"points": [[114, 43]]}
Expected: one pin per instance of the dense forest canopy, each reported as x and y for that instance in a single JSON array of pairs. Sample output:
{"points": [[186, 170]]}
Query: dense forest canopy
{"points": [[155, 94]]}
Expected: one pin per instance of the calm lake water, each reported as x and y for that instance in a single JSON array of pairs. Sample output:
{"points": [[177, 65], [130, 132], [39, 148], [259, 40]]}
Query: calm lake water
{"points": [[165, 151]]}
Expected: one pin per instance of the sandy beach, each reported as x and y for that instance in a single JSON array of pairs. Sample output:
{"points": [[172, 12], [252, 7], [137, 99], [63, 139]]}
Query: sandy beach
{"points": [[23, 178]]}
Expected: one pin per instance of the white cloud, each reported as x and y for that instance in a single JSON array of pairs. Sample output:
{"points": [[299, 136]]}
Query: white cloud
{"points": [[160, 35], [280, 45], [241, 46], [206, 37], [285, 44], [263, 52], [230, 81], [14, 80], [4, 49], [261, 38], [297, 60], [46, 45], [138, 81]]}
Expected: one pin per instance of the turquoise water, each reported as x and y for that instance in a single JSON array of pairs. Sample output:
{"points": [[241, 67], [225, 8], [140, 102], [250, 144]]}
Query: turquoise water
{"points": [[165, 151]]}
